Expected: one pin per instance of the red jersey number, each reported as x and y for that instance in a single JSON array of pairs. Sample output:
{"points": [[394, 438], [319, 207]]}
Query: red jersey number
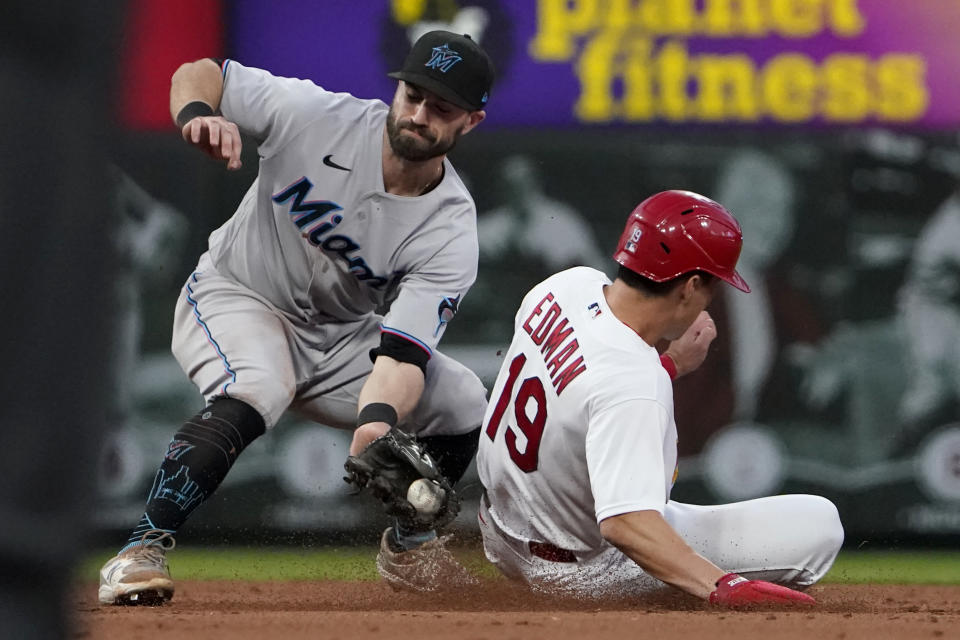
{"points": [[531, 389]]}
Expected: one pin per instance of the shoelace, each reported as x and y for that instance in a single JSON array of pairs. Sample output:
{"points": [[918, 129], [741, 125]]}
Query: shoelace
{"points": [[151, 553]]}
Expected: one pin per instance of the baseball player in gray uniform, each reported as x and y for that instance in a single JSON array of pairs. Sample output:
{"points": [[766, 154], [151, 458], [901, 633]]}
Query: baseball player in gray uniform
{"points": [[355, 212]]}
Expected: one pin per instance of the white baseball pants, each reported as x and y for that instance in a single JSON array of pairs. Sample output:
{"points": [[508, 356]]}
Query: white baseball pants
{"points": [[790, 540]]}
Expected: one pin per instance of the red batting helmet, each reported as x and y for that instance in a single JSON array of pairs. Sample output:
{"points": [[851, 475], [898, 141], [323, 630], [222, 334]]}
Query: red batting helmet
{"points": [[675, 232]]}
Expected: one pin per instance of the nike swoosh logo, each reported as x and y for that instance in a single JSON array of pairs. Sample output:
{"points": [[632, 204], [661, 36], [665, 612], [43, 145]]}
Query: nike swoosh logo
{"points": [[330, 163]]}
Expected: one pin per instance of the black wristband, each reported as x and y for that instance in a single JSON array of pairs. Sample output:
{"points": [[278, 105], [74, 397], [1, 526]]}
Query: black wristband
{"points": [[193, 110], [377, 412]]}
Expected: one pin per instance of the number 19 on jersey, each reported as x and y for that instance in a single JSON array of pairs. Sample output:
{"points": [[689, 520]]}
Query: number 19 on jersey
{"points": [[531, 390]]}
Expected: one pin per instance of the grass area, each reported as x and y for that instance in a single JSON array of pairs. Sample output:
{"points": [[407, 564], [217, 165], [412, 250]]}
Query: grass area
{"points": [[357, 563], [896, 567], [261, 564]]}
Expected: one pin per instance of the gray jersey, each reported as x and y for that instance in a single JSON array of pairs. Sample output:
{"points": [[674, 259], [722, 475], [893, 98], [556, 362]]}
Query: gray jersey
{"points": [[318, 236]]}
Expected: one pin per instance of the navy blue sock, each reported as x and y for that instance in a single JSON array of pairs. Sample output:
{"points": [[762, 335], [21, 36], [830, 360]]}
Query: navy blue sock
{"points": [[406, 539], [197, 460]]}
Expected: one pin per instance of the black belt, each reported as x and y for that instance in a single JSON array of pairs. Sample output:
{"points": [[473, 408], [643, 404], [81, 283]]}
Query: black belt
{"points": [[551, 552]]}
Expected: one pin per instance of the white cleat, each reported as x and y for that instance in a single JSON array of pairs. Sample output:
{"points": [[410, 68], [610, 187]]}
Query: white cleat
{"points": [[140, 574], [429, 567]]}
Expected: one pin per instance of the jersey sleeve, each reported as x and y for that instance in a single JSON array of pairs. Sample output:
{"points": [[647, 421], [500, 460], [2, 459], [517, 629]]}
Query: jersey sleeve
{"points": [[625, 458], [429, 296], [269, 108]]}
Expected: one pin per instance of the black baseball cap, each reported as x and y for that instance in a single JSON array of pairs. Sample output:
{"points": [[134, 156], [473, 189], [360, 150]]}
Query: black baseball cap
{"points": [[450, 65]]}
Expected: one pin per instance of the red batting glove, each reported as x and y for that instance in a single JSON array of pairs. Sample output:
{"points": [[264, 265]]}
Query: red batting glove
{"points": [[736, 591]]}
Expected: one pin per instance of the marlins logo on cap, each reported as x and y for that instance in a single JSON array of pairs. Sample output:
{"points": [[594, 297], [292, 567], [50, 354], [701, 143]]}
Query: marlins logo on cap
{"points": [[450, 65], [443, 58]]}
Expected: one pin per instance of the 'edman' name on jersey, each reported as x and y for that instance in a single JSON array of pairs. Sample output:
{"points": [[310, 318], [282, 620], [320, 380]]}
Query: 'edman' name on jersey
{"points": [[580, 420]]}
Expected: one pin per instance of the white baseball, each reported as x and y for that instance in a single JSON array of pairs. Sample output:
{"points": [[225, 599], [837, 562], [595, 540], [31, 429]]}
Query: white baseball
{"points": [[425, 496]]}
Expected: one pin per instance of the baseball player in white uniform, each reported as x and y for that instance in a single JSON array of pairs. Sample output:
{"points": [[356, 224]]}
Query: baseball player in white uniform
{"points": [[330, 287], [578, 450]]}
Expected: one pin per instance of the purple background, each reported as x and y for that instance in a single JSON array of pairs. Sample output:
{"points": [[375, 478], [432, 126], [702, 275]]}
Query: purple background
{"points": [[345, 45]]}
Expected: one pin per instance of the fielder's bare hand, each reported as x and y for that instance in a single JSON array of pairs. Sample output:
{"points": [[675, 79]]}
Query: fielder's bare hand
{"points": [[365, 434], [217, 137], [690, 350]]}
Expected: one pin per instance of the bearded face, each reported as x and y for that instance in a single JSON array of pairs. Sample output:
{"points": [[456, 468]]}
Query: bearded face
{"points": [[416, 142]]}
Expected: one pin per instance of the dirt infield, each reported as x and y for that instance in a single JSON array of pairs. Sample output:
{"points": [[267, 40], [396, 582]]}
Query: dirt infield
{"points": [[497, 610]]}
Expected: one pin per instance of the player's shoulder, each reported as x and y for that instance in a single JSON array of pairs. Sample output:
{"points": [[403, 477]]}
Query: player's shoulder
{"points": [[638, 380], [238, 77], [453, 191], [577, 279], [448, 214], [456, 182], [567, 285]]}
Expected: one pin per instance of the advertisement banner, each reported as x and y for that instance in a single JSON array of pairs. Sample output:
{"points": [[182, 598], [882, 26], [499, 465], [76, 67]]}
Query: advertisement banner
{"points": [[572, 63]]}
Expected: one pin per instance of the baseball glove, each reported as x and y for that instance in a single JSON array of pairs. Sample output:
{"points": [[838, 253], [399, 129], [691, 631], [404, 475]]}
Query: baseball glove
{"points": [[388, 466]]}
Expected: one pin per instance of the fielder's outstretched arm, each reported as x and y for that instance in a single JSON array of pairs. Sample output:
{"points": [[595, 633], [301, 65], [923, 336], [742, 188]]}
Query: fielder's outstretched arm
{"points": [[195, 93], [398, 384]]}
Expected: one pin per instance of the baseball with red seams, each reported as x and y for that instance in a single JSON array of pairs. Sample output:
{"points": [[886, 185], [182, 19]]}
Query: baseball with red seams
{"points": [[425, 496]]}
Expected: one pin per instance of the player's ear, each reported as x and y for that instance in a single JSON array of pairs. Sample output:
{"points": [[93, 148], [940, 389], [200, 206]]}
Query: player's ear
{"points": [[474, 118], [691, 284]]}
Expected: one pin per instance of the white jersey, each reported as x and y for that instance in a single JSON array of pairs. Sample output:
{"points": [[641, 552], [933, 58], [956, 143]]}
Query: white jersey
{"points": [[580, 425], [318, 236]]}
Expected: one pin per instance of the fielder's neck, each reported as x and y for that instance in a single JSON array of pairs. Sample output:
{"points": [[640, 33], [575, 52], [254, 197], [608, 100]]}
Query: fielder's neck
{"points": [[411, 178]]}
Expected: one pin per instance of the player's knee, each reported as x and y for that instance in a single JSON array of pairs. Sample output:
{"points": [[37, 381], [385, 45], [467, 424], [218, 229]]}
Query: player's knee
{"points": [[831, 528], [270, 396], [826, 538]]}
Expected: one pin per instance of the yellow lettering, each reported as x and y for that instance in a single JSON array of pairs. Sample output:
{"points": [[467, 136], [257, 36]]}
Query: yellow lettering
{"points": [[672, 75], [726, 88], [559, 22], [717, 18], [752, 22], [667, 17], [846, 91], [618, 15], [902, 93], [732, 17], [628, 70], [596, 71], [797, 18], [638, 105], [788, 86], [845, 18]]}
